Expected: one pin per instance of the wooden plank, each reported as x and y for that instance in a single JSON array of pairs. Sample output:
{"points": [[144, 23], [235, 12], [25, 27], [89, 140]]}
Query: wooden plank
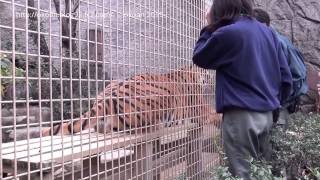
{"points": [[143, 162], [147, 162], [210, 138], [194, 155], [115, 154], [65, 149], [176, 172], [35, 141], [174, 157], [44, 151], [116, 170], [47, 144], [48, 147], [173, 137]]}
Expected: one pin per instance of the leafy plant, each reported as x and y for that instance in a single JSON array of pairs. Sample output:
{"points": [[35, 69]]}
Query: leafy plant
{"points": [[182, 176], [222, 173], [296, 153], [315, 173], [6, 72], [298, 149], [260, 170]]}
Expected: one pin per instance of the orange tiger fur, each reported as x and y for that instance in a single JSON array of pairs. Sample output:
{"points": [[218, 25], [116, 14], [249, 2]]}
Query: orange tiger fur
{"points": [[145, 100]]}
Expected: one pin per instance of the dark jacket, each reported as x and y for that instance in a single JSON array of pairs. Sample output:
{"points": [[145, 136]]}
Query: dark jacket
{"points": [[251, 70]]}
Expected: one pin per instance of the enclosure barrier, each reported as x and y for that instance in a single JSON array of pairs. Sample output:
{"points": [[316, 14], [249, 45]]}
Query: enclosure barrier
{"points": [[105, 89]]}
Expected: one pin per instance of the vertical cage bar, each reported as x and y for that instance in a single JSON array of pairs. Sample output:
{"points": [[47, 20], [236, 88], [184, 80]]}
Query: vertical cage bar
{"points": [[81, 19], [88, 80], [39, 82], [104, 84], [1, 128], [51, 64], [155, 38], [14, 87], [96, 42], [61, 85], [27, 88]]}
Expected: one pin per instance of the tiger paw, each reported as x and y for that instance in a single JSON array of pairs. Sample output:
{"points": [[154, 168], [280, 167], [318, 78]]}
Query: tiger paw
{"points": [[46, 131]]}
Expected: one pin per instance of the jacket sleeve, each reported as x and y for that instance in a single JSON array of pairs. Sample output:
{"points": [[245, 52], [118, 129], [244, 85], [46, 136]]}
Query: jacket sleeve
{"points": [[214, 50], [286, 77]]}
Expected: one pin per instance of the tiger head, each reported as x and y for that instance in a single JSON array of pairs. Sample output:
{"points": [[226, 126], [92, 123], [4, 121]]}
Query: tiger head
{"points": [[201, 76], [201, 81]]}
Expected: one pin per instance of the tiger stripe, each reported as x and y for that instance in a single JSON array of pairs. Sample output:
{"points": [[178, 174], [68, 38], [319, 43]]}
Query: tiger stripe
{"points": [[145, 99]]}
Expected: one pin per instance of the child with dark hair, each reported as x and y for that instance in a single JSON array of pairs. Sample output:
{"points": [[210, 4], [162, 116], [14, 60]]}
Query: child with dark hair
{"points": [[252, 79], [262, 16], [297, 68]]}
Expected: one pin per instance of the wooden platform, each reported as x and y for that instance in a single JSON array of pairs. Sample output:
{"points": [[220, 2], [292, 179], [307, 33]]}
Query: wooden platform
{"points": [[50, 151]]}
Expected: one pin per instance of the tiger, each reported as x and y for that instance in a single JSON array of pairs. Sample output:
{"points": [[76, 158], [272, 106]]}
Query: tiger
{"points": [[144, 100]]}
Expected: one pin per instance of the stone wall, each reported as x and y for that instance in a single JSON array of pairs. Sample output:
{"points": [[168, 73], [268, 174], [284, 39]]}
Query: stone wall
{"points": [[158, 35], [154, 33], [132, 37], [138, 36], [300, 21]]}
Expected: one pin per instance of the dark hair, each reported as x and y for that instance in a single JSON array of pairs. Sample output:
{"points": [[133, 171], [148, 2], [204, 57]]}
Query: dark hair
{"points": [[224, 12], [262, 16]]}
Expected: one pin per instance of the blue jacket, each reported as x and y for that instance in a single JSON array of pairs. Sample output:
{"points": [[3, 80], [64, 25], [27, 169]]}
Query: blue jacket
{"points": [[297, 67], [251, 70]]}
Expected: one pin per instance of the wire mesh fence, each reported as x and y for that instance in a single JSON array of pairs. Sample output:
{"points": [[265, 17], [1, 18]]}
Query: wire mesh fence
{"points": [[104, 89]]}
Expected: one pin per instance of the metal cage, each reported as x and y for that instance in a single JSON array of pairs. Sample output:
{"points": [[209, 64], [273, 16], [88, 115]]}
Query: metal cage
{"points": [[105, 89]]}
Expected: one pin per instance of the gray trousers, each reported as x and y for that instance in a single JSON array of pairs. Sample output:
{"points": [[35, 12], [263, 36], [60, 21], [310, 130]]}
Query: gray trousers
{"points": [[246, 134]]}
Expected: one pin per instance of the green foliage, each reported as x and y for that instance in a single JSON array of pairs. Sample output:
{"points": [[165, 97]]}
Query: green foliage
{"points": [[222, 173], [259, 170], [183, 176], [296, 153], [315, 173], [298, 149], [6, 70], [262, 170]]}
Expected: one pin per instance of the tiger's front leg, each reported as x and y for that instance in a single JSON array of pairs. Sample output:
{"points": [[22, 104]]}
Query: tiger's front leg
{"points": [[46, 131], [71, 127], [104, 126], [59, 129]]}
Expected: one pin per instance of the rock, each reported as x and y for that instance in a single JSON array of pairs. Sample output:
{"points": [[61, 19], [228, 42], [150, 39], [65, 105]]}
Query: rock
{"points": [[310, 50], [305, 29], [299, 20], [312, 76], [280, 10], [308, 9], [260, 3], [284, 27]]}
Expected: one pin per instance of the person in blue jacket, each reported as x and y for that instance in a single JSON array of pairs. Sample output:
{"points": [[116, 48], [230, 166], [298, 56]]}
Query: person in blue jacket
{"points": [[297, 67], [252, 79]]}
